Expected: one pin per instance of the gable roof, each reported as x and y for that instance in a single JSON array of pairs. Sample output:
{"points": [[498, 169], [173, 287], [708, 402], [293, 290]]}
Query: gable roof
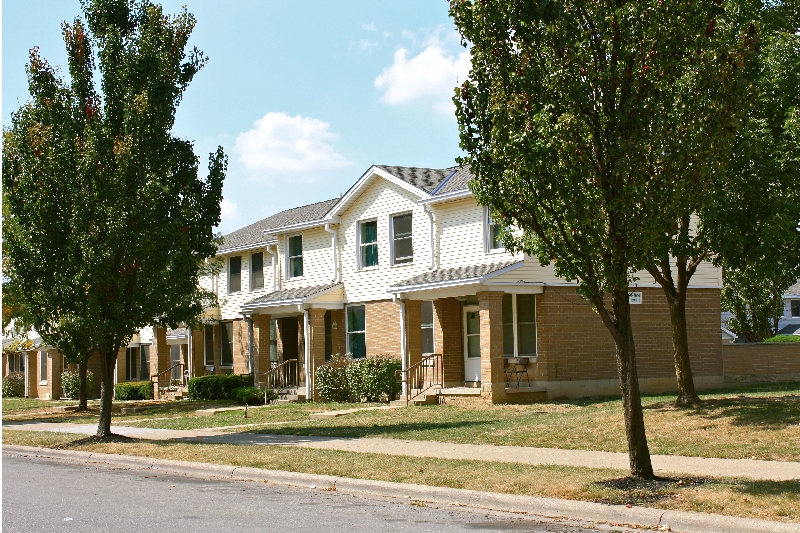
{"points": [[794, 290], [425, 179], [254, 234]]}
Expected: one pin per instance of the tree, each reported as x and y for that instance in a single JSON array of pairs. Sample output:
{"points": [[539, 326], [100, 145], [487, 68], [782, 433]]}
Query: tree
{"points": [[108, 223], [576, 117], [749, 215]]}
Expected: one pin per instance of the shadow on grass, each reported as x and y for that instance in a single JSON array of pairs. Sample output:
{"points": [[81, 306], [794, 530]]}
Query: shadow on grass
{"points": [[768, 488], [375, 430], [629, 490], [766, 413]]}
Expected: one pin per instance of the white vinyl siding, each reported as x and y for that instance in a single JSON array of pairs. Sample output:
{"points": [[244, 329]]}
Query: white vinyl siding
{"points": [[231, 304]]}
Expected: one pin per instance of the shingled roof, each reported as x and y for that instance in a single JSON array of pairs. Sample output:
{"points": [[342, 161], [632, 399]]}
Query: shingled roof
{"points": [[471, 272], [254, 233], [794, 290]]}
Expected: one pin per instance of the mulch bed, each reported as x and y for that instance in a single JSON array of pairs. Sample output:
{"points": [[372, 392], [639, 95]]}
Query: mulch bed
{"points": [[94, 439]]}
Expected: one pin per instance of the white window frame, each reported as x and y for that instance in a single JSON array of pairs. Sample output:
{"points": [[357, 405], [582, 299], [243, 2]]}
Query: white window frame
{"points": [[391, 238], [42, 363], [791, 314], [359, 245], [229, 274], [252, 271], [347, 331], [516, 327], [289, 258], [488, 223]]}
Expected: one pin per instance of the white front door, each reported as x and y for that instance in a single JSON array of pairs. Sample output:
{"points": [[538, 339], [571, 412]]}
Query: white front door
{"points": [[472, 343]]}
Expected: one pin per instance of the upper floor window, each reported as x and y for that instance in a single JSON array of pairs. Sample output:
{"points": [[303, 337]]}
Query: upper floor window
{"points": [[295, 256], [493, 231], [256, 271], [368, 243], [402, 249], [519, 325], [795, 308], [235, 274], [427, 327]]}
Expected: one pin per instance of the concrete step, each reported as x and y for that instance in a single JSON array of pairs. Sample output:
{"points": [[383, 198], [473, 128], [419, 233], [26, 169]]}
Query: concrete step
{"points": [[291, 398]]}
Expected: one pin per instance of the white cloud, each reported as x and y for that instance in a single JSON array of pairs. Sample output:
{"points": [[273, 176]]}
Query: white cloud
{"points": [[428, 77], [369, 27], [280, 146]]}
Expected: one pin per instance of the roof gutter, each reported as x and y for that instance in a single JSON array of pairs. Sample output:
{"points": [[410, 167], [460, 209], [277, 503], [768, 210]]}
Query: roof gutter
{"points": [[302, 225], [245, 247], [447, 197]]}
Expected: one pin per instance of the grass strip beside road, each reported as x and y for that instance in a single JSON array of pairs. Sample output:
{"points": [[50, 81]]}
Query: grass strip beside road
{"points": [[746, 498]]}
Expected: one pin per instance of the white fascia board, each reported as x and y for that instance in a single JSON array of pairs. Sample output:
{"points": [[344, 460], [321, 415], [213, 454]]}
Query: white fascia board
{"points": [[447, 197], [516, 288], [245, 247], [434, 285], [364, 181], [299, 227], [791, 296], [503, 270]]}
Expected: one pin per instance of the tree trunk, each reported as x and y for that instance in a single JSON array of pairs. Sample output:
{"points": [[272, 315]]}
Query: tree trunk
{"points": [[108, 362], [680, 346], [638, 452], [82, 401]]}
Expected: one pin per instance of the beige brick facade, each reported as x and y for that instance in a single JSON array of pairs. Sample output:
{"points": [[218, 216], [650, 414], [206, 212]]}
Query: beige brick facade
{"points": [[448, 339], [761, 362], [383, 328]]}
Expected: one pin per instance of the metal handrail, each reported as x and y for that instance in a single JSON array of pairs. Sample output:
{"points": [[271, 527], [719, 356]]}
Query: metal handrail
{"points": [[422, 376], [283, 376], [164, 379]]}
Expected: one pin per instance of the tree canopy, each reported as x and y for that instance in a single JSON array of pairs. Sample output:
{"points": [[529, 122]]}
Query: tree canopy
{"points": [[580, 120], [106, 221]]}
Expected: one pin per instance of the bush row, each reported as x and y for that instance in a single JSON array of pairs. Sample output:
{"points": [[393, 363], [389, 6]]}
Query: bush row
{"points": [[14, 385], [252, 395], [346, 379], [134, 390], [218, 386], [71, 384]]}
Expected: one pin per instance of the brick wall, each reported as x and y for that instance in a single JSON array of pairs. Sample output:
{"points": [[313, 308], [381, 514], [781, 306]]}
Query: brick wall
{"points": [[241, 347], [448, 340], [761, 362], [414, 330], [573, 343], [338, 336], [383, 328]]}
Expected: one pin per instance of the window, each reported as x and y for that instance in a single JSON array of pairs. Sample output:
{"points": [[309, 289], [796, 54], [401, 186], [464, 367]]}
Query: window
{"points": [[131, 364], [208, 337], [295, 255], [175, 360], [402, 249], [273, 340], [427, 327], [493, 230], [356, 331], [43, 367], [144, 362], [16, 362], [519, 325], [226, 352], [368, 244], [235, 274], [257, 271], [795, 308], [328, 336]]}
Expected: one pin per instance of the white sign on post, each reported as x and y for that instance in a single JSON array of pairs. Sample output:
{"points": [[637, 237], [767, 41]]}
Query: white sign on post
{"points": [[635, 298]]}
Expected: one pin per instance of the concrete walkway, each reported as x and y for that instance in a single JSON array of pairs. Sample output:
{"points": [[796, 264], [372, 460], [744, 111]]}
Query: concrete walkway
{"points": [[662, 464]]}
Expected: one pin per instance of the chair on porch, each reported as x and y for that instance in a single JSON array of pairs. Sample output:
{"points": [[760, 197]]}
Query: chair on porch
{"points": [[516, 368]]}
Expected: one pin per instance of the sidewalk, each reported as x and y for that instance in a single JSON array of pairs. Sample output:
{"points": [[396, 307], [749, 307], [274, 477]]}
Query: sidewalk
{"points": [[616, 515], [662, 464]]}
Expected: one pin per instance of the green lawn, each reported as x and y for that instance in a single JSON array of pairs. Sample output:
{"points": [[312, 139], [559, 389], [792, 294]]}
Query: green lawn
{"points": [[771, 500]]}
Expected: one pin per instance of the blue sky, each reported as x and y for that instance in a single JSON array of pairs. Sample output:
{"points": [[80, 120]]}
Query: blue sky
{"points": [[303, 95]]}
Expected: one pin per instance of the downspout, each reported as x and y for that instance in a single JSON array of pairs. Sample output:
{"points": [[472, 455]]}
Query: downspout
{"points": [[403, 348], [27, 374], [434, 255], [335, 251], [189, 352], [249, 320], [307, 343], [274, 266]]}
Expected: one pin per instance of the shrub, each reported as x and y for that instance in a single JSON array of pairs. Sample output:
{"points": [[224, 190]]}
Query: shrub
{"points": [[783, 338], [14, 385], [330, 379], [70, 383], [217, 386], [134, 390], [373, 379], [252, 395]]}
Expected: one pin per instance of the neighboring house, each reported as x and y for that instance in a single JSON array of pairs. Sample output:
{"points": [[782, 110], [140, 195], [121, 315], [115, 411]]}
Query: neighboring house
{"points": [[406, 263], [789, 323]]}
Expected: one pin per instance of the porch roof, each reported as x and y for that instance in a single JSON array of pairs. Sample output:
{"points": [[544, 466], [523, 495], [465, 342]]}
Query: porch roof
{"points": [[290, 297], [453, 277]]}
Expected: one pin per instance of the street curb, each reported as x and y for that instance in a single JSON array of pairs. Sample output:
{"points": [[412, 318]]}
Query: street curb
{"points": [[676, 521]]}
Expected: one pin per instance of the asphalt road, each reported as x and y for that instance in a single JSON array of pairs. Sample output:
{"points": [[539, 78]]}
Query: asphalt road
{"points": [[45, 495]]}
